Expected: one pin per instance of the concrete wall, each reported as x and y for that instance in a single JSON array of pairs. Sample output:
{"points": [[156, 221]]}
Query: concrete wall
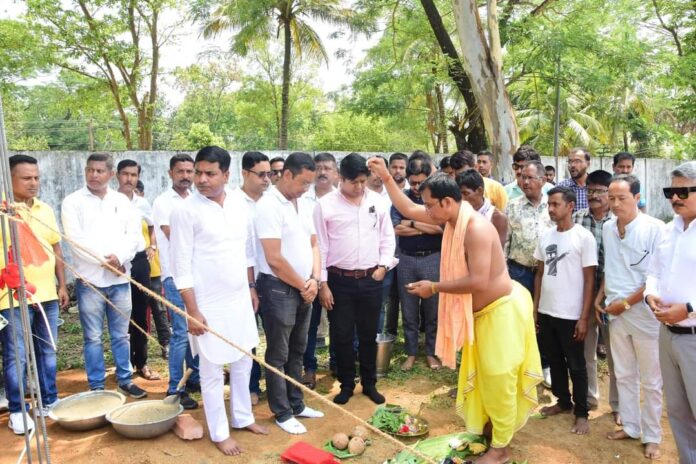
{"points": [[63, 173]]}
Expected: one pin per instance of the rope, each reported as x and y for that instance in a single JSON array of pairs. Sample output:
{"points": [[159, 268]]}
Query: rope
{"points": [[173, 307]]}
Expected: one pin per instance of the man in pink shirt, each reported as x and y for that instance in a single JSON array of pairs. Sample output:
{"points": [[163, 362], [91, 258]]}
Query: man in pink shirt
{"points": [[356, 244]]}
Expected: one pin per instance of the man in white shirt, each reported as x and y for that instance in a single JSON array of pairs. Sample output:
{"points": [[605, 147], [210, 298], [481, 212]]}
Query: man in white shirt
{"points": [[326, 177], [256, 178], [127, 174], [564, 286], [288, 282], [104, 222], [629, 239], [210, 232], [671, 294], [181, 174]]}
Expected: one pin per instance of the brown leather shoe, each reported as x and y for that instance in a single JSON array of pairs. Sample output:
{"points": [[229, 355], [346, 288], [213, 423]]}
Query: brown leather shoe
{"points": [[309, 380]]}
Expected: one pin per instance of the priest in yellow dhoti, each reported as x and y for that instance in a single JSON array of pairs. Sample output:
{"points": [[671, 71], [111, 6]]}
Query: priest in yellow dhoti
{"points": [[481, 312]]}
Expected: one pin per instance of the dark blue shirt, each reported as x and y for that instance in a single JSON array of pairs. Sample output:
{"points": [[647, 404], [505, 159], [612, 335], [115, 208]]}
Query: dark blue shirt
{"points": [[425, 242]]}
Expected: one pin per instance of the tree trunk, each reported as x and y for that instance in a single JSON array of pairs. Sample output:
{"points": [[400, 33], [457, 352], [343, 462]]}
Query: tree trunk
{"points": [[473, 139], [441, 119], [285, 92], [488, 85]]}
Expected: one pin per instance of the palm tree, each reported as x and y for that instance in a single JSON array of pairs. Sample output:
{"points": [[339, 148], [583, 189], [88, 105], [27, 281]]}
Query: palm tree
{"points": [[260, 20]]}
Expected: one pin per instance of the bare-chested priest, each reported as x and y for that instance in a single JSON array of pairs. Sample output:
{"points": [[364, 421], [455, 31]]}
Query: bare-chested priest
{"points": [[481, 311]]}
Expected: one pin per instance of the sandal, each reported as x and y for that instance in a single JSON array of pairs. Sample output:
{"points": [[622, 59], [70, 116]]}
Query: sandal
{"points": [[148, 374]]}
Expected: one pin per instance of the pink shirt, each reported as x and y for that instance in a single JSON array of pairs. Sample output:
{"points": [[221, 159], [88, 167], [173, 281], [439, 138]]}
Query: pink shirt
{"points": [[354, 237]]}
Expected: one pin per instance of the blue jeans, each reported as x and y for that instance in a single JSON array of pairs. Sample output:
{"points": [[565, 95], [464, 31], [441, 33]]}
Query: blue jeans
{"points": [[386, 291], [45, 354], [255, 376], [93, 308], [179, 349]]}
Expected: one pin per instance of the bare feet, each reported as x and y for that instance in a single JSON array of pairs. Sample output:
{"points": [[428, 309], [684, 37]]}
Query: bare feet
{"points": [[256, 428], [229, 447], [581, 427], [652, 451], [619, 435], [434, 363], [408, 364], [548, 411], [617, 417], [495, 456], [254, 398]]}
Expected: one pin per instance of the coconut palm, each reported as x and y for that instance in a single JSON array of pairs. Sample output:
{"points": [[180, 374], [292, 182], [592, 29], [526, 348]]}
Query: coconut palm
{"points": [[260, 20]]}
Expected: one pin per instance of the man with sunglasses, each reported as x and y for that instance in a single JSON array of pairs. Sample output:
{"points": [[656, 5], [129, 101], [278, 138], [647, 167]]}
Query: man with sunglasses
{"points": [[671, 294], [630, 239], [256, 178], [277, 164]]}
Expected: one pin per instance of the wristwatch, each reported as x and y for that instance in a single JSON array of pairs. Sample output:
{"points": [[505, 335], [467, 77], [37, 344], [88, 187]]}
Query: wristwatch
{"points": [[252, 284], [154, 247], [690, 311], [626, 305], [386, 268]]}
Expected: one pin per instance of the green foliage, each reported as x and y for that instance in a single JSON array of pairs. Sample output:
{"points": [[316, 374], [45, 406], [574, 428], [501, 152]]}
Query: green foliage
{"points": [[22, 54], [199, 135]]}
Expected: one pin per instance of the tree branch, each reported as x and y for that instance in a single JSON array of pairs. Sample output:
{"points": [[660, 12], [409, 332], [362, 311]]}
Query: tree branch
{"points": [[671, 30]]}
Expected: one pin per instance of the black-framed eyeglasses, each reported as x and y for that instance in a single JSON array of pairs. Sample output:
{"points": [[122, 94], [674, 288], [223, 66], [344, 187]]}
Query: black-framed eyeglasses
{"points": [[261, 174], [681, 192], [276, 172], [516, 166], [597, 191]]}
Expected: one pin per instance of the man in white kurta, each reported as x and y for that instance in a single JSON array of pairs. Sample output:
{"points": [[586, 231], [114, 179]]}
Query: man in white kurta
{"points": [[212, 257]]}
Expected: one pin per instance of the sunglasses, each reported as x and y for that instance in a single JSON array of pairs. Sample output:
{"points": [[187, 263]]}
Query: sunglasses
{"points": [[276, 172], [262, 174], [681, 192]]}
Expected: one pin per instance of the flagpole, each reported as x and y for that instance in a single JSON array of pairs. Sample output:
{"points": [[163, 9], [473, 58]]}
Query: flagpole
{"points": [[35, 400]]}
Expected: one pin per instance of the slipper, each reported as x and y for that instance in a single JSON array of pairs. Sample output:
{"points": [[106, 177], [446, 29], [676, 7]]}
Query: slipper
{"points": [[148, 374], [292, 426]]}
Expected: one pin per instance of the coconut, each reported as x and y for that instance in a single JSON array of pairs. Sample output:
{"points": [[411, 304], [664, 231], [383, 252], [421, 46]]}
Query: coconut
{"points": [[360, 431], [340, 441], [356, 445]]}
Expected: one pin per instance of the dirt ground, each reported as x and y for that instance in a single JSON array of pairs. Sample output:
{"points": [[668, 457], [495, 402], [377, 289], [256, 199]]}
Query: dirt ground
{"points": [[543, 441]]}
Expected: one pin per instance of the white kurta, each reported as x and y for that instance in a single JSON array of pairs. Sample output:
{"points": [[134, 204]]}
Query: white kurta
{"points": [[211, 247]]}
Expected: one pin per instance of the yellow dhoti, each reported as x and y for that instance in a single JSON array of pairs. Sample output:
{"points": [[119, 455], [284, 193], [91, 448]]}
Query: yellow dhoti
{"points": [[500, 370]]}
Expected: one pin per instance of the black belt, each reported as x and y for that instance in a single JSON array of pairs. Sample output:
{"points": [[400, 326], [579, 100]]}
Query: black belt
{"points": [[677, 329], [418, 253], [513, 262], [356, 273]]}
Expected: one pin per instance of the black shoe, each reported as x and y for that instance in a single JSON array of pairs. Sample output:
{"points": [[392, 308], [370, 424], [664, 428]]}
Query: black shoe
{"points": [[187, 402], [165, 352], [193, 387], [374, 395], [132, 390], [344, 396]]}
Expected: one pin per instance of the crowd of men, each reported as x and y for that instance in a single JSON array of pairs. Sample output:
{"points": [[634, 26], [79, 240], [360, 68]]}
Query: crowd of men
{"points": [[528, 281]]}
